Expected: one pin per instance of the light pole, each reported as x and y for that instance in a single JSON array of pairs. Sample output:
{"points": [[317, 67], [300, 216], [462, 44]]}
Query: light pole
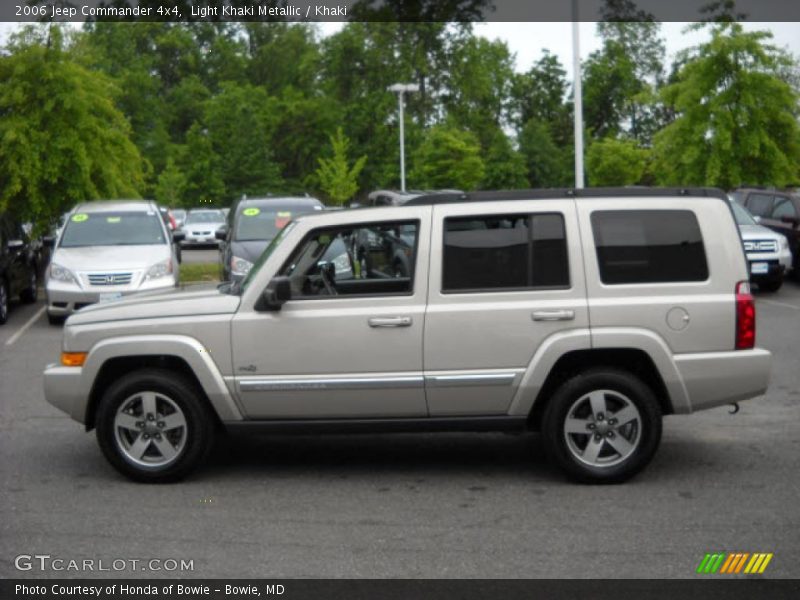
{"points": [[400, 89], [577, 95]]}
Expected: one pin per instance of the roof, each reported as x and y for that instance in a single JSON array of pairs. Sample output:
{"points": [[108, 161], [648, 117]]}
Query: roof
{"points": [[554, 193], [115, 206], [280, 201]]}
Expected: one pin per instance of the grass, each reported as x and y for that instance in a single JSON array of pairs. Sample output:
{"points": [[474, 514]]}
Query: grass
{"points": [[193, 273]]}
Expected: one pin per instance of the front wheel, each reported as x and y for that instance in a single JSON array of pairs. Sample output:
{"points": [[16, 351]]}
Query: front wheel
{"points": [[153, 426], [3, 301], [602, 426], [771, 286]]}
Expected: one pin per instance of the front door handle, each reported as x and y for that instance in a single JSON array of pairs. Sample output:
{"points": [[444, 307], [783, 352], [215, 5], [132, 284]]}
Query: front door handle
{"points": [[553, 315], [390, 322]]}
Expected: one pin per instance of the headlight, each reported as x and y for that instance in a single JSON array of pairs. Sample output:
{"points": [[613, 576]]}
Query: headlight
{"points": [[161, 269], [59, 273], [240, 267]]}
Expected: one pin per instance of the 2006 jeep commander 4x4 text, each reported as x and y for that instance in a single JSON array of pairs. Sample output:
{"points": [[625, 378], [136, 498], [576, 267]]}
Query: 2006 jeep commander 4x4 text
{"points": [[586, 315]]}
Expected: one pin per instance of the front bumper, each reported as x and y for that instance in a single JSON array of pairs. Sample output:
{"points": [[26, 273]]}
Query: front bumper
{"points": [[65, 298], [716, 378], [63, 388], [200, 239]]}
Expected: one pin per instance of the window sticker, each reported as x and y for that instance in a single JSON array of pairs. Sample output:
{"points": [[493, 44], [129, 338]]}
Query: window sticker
{"points": [[282, 219], [113, 219], [251, 212], [80, 217]]}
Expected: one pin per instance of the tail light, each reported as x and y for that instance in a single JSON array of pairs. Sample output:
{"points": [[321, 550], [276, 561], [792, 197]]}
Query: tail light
{"points": [[745, 317]]}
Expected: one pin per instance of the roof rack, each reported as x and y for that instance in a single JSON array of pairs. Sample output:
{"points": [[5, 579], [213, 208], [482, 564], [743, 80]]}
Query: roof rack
{"points": [[554, 193]]}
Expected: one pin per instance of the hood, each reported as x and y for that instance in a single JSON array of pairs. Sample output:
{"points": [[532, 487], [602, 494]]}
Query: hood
{"points": [[249, 250], [184, 302], [753, 232], [212, 227], [111, 258]]}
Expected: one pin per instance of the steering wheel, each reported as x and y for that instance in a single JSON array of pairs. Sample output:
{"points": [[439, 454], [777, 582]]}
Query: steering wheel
{"points": [[327, 273]]}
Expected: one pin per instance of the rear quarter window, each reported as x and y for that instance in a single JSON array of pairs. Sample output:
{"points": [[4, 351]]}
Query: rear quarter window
{"points": [[649, 246]]}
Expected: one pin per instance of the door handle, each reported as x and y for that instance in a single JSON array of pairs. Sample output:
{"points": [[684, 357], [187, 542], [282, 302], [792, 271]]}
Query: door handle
{"points": [[390, 322], [553, 315]]}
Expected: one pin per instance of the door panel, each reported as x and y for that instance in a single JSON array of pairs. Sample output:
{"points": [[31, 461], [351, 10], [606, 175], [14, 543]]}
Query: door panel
{"points": [[478, 342]]}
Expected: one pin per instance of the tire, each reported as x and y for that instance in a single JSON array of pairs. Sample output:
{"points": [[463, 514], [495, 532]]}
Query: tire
{"points": [[3, 301], [31, 293], [138, 446], [623, 448], [770, 286], [55, 319]]}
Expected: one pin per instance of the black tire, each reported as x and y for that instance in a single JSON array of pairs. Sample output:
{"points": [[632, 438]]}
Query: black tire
{"points": [[770, 286], [31, 293], [55, 319], [198, 435], [562, 447], [3, 301]]}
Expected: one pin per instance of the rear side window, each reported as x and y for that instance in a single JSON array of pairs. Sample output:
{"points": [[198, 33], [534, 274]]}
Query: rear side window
{"points": [[783, 208], [760, 204], [504, 252], [649, 246]]}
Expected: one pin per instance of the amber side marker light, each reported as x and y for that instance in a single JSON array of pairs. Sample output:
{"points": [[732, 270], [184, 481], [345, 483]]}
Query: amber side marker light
{"points": [[73, 359]]}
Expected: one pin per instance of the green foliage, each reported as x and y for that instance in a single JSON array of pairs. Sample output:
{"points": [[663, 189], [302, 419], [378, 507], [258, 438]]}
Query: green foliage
{"points": [[337, 179], [505, 167], [547, 163], [448, 158], [613, 162], [202, 167], [171, 186], [62, 140], [736, 118]]}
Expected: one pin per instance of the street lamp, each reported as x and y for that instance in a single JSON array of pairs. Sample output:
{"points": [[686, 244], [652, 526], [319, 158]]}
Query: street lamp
{"points": [[400, 89]]}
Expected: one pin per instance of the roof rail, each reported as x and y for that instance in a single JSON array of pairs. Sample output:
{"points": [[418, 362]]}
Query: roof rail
{"points": [[554, 193]]}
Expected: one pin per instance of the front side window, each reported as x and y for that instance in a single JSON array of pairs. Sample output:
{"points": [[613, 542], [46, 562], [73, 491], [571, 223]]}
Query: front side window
{"points": [[760, 205], [113, 229], [504, 252], [784, 207], [363, 260], [649, 246]]}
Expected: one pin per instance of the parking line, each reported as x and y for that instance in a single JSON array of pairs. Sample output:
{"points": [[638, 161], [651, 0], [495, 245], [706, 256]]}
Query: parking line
{"points": [[784, 304], [25, 327]]}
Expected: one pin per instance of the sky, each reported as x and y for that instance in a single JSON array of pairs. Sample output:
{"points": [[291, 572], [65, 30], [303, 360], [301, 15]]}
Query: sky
{"points": [[526, 40]]}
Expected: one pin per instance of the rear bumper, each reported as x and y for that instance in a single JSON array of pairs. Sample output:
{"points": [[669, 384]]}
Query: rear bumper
{"points": [[716, 378]]}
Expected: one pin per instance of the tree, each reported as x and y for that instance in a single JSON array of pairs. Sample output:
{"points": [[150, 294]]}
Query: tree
{"points": [[202, 167], [505, 167], [171, 185], [540, 94], [337, 179], [448, 158], [547, 163], [62, 139], [736, 118], [613, 162]]}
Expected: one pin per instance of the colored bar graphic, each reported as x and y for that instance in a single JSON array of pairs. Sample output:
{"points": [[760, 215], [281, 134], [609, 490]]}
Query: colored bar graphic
{"points": [[741, 562], [732, 563]]}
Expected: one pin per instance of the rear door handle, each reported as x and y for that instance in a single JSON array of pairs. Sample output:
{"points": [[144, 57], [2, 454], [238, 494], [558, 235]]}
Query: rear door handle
{"points": [[553, 315], [390, 322]]}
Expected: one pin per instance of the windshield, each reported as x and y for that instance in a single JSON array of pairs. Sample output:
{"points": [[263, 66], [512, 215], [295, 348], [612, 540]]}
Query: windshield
{"points": [[179, 213], [205, 216], [266, 254], [256, 223], [741, 215], [113, 229]]}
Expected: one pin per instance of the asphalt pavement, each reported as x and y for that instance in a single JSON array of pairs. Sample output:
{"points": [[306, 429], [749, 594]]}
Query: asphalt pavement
{"points": [[432, 505]]}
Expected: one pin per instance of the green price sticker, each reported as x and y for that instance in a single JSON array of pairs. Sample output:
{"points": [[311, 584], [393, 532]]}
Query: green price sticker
{"points": [[80, 218], [114, 219], [284, 215], [251, 212]]}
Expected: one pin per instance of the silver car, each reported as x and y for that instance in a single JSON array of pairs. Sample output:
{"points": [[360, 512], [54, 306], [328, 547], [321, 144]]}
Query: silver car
{"points": [[201, 226], [107, 250], [768, 255]]}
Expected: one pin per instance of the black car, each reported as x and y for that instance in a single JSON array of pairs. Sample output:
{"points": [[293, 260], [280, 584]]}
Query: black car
{"points": [[778, 210], [252, 225], [19, 275]]}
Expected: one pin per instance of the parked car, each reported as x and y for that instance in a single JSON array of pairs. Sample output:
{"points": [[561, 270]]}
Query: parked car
{"points": [[200, 227], [252, 226], [778, 210], [586, 315], [107, 250], [768, 255], [179, 215], [19, 268], [399, 198]]}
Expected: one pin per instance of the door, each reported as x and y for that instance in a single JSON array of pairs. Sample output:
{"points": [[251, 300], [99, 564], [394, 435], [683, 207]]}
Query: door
{"points": [[349, 342], [504, 277]]}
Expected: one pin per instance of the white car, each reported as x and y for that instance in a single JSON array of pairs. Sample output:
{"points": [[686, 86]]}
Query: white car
{"points": [[201, 227], [768, 255], [107, 250]]}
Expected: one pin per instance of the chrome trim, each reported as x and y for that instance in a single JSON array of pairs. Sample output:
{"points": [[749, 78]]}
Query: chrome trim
{"points": [[348, 383], [478, 379]]}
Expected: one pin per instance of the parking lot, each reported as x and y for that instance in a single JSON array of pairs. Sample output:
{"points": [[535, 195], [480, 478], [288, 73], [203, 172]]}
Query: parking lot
{"points": [[431, 505]]}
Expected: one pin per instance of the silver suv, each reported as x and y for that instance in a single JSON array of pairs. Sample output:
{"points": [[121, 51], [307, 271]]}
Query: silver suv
{"points": [[586, 315]]}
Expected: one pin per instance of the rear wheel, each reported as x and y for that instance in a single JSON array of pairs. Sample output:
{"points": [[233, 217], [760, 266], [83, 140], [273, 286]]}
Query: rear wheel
{"points": [[771, 286], [153, 426], [602, 426], [3, 301], [31, 293]]}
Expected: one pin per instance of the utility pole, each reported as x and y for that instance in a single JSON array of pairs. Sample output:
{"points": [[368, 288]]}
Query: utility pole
{"points": [[400, 89]]}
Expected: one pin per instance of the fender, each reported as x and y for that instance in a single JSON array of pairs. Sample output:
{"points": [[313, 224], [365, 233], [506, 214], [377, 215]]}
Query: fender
{"points": [[559, 344], [187, 348]]}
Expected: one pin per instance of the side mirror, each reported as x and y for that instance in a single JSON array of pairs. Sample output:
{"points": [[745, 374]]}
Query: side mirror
{"points": [[49, 241], [15, 244], [178, 236], [275, 295], [757, 219], [221, 233]]}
